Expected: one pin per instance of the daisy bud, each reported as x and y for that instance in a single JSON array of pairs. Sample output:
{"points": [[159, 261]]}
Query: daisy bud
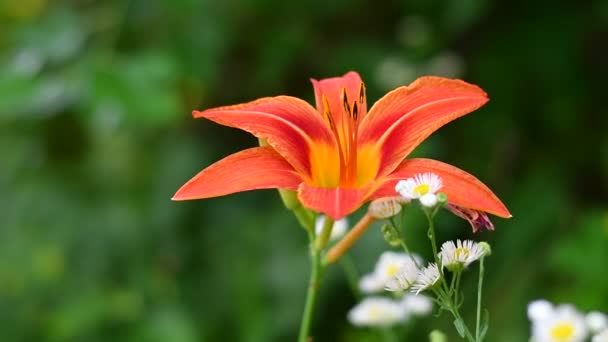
{"points": [[384, 208], [391, 235], [486, 248]]}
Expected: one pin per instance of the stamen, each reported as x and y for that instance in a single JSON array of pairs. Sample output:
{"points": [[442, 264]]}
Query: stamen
{"points": [[345, 101], [355, 111], [327, 113], [362, 93]]}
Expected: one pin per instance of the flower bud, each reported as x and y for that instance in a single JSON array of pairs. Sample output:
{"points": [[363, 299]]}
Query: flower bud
{"points": [[442, 198], [383, 208], [391, 235], [437, 336], [486, 248]]}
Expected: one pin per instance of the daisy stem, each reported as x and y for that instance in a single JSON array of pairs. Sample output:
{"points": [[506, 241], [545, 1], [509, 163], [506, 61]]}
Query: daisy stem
{"points": [[467, 333], [402, 242], [457, 288], [352, 275], [479, 286], [431, 235], [313, 284]]}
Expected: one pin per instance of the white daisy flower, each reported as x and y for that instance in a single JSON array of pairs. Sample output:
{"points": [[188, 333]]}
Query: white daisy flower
{"points": [[417, 305], [539, 309], [564, 324], [337, 231], [386, 269], [423, 186], [377, 311], [596, 321], [461, 254], [404, 278], [426, 278], [601, 337]]}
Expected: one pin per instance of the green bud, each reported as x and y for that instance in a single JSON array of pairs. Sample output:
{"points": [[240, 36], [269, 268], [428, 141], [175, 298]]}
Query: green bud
{"points": [[442, 198], [486, 247], [437, 336], [391, 235]]}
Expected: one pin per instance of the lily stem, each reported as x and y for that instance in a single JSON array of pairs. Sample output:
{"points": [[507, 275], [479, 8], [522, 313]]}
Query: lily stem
{"points": [[316, 272]]}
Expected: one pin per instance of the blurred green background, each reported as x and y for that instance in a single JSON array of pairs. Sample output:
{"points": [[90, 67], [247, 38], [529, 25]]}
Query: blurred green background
{"points": [[96, 135]]}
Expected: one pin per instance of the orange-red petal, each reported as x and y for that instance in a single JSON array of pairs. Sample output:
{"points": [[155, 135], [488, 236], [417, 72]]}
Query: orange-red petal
{"points": [[335, 202], [404, 117], [332, 89], [462, 188], [288, 124], [250, 169]]}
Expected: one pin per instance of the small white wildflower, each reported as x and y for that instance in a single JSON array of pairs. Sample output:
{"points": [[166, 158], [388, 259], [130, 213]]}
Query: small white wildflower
{"points": [[601, 337], [417, 305], [423, 186], [564, 324], [539, 309], [596, 321], [337, 231], [377, 311], [386, 268], [426, 278], [404, 278], [429, 200], [461, 254]]}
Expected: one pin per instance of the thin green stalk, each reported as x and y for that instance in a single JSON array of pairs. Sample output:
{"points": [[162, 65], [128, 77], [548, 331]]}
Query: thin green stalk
{"points": [[431, 235], [479, 287], [351, 275], [313, 285], [323, 238], [467, 333]]}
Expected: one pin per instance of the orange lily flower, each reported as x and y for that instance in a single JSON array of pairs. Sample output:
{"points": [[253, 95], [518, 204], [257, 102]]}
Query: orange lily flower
{"points": [[340, 155]]}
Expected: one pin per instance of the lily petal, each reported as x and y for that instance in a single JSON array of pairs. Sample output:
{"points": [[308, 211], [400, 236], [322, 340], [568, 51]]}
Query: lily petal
{"points": [[250, 169], [404, 117], [462, 188], [288, 124], [335, 202], [332, 89]]}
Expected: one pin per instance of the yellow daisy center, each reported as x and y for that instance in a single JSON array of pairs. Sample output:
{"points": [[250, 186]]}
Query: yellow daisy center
{"points": [[562, 331], [461, 252], [392, 270], [422, 189], [374, 312]]}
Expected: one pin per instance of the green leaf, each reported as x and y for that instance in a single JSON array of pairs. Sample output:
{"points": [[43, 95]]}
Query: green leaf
{"points": [[484, 324], [460, 327]]}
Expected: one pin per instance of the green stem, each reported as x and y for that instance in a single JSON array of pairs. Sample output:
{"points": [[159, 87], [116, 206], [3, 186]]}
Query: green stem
{"points": [[467, 333], [323, 238], [479, 287], [431, 235], [352, 275], [313, 285]]}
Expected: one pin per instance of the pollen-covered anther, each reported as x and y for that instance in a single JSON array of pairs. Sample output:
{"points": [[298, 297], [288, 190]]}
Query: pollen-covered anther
{"points": [[345, 101], [362, 93]]}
